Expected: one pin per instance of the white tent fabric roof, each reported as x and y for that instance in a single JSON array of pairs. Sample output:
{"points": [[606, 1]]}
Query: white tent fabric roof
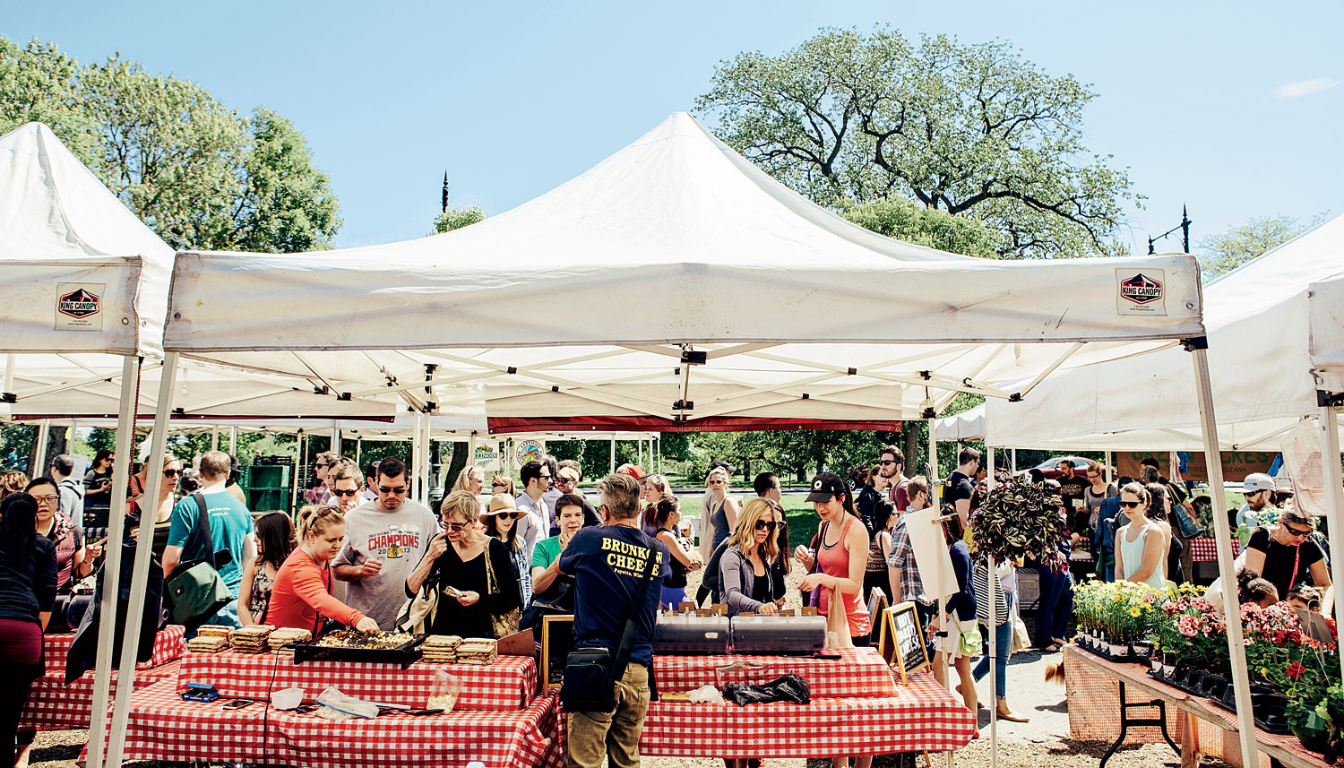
{"points": [[967, 425], [1274, 339], [61, 231], [577, 304]]}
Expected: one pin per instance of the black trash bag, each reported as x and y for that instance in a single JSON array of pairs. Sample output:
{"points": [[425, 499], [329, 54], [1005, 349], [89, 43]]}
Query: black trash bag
{"points": [[786, 688]]}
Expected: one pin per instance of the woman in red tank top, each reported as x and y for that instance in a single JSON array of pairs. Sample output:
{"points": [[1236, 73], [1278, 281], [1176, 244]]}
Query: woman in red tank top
{"points": [[842, 555]]}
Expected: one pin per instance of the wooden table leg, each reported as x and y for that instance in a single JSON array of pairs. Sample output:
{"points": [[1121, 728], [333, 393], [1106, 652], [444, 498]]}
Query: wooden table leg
{"points": [[1189, 740]]}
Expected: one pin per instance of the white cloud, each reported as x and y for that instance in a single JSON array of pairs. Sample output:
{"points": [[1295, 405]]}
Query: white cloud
{"points": [[1304, 87]]}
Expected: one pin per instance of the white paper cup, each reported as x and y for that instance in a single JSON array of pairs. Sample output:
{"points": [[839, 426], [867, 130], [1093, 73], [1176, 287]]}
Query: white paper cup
{"points": [[288, 698]]}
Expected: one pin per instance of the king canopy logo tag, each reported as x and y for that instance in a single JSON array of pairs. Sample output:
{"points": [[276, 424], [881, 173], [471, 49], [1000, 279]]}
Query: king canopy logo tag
{"points": [[79, 306], [1141, 293]]}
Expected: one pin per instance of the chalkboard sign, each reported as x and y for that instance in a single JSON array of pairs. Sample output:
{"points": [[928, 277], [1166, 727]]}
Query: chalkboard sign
{"points": [[902, 633], [557, 640]]}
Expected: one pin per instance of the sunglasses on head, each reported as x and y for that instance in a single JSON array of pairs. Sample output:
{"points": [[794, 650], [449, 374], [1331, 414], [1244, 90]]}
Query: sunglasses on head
{"points": [[339, 492], [1131, 504], [398, 491], [762, 525]]}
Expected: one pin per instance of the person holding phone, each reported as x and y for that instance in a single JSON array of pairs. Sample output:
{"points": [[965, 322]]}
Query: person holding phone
{"points": [[474, 572]]}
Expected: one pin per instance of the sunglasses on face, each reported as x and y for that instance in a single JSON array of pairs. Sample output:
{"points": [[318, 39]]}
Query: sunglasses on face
{"points": [[171, 472], [1130, 504], [455, 526], [762, 525], [1296, 531], [321, 466], [888, 462], [716, 482], [397, 491], [509, 515], [339, 492]]}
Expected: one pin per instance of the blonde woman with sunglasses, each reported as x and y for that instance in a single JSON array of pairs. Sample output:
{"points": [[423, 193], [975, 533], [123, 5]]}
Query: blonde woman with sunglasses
{"points": [[474, 572], [744, 569]]}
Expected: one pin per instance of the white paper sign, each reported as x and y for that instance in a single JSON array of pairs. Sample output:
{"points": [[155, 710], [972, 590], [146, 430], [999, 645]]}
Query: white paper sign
{"points": [[79, 306], [1302, 455], [487, 457], [931, 555]]}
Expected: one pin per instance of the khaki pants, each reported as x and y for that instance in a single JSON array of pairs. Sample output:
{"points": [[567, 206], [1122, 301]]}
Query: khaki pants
{"points": [[613, 735]]}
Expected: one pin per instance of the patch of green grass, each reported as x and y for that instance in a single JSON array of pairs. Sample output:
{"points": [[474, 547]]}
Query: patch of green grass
{"points": [[802, 517]]}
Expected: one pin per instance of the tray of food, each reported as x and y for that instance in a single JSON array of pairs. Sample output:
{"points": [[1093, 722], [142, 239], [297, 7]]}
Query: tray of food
{"points": [[349, 645]]}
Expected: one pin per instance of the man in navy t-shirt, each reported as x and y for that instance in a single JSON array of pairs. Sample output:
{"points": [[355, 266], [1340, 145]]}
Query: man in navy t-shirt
{"points": [[607, 564]]}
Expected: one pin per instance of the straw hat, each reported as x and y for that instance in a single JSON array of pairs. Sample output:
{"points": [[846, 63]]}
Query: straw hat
{"points": [[501, 502]]}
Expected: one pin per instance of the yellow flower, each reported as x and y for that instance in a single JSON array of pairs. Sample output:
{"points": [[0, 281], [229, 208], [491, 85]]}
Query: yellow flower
{"points": [[1134, 611]]}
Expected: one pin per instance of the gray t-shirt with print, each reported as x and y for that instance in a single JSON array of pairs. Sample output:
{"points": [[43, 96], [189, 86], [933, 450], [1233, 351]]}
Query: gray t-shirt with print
{"points": [[397, 538]]}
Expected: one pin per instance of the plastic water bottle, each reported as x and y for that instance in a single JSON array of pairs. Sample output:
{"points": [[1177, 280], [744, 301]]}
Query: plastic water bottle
{"points": [[475, 764]]}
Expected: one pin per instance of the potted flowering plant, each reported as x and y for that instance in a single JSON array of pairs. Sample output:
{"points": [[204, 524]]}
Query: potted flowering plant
{"points": [[1017, 520], [1189, 633], [1304, 671]]}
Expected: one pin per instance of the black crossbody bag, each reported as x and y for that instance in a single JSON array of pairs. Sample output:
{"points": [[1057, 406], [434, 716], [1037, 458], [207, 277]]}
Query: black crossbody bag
{"points": [[591, 673]]}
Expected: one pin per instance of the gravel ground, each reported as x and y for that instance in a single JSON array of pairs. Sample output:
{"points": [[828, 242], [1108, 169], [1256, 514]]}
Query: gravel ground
{"points": [[1041, 743]]}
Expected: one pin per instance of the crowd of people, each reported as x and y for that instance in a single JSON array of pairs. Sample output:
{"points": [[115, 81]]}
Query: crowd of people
{"points": [[491, 561]]}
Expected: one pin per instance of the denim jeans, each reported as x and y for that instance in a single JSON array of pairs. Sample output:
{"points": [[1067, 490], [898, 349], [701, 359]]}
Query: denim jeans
{"points": [[1055, 607], [1003, 641]]}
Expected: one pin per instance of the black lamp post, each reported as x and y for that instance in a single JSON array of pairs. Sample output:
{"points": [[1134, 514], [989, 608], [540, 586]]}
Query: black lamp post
{"points": [[1184, 226]]}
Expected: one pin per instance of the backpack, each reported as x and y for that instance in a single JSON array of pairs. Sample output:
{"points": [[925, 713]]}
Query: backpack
{"points": [[195, 591]]}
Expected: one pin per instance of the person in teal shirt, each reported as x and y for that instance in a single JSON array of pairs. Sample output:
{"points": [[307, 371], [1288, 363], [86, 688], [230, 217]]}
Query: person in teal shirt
{"points": [[230, 530]]}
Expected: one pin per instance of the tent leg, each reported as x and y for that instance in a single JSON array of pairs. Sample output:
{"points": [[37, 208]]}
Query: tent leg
{"points": [[336, 440], [39, 468], [359, 449], [1108, 467], [1012, 460], [612, 470], [1334, 505], [233, 443], [116, 532], [214, 438], [299, 473], [135, 611], [993, 668], [1223, 544]]}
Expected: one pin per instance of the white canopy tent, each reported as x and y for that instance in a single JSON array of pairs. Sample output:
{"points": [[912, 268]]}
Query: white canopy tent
{"points": [[674, 286], [1276, 340], [967, 425]]}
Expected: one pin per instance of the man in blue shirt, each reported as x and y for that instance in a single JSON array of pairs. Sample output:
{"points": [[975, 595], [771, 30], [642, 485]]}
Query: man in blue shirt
{"points": [[607, 564], [230, 530]]}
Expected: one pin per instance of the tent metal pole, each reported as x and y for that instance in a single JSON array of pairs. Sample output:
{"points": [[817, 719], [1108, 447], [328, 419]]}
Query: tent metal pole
{"points": [[612, 470], [214, 438], [427, 449], [1334, 504], [116, 533], [415, 457], [233, 443], [993, 666], [1012, 459], [1109, 479], [1223, 545], [121, 706], [39, 461], [660, 452], [9, 372], [336, 440], [298, 473], [359, 449]]}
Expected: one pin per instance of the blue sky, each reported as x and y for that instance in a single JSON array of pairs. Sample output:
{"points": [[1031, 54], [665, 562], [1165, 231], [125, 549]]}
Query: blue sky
{"points": [[1231, 107]]}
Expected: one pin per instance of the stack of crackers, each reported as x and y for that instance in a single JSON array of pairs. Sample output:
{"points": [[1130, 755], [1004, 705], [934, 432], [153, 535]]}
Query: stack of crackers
{"points": [[478, 650], [209, 639], [254, 639], [282, 637], [441, 649]]}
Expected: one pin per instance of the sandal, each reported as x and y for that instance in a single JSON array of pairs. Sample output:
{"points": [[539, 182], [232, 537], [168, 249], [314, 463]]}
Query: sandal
{"points": [[1052, 648], [1013, 717]]}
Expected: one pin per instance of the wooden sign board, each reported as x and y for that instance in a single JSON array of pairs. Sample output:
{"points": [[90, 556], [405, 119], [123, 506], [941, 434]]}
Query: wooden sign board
{"points": [[1236, 464], [557, 640], [903, 635], [877, 606]]}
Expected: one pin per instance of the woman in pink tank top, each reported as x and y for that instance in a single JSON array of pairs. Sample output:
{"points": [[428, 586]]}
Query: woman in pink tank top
{"points": [[842, 555]]}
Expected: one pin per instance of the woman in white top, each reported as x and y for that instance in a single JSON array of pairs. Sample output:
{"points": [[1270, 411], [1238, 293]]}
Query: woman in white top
{"points": [[1139, 544]]}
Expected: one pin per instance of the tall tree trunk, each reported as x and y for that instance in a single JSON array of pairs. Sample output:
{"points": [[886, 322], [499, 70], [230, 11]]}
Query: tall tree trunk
{"points": [[911, 449], [456, 465]]}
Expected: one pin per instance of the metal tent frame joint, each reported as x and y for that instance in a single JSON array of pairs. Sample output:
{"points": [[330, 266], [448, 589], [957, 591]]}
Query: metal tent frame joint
{"points": [[1198, 342], [1323, 399]]}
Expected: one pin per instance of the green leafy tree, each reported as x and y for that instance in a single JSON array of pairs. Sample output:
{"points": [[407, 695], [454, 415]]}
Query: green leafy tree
{"points": [[198, 173], [457, 218], [905, 220], [971, 130], [1223, 253]]}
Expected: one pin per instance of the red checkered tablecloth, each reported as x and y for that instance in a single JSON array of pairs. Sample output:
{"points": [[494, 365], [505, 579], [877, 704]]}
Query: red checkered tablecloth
{"points": [[859, 672], [509, 684], [52, 705], [162, 727], [1205, 550], [168, 646], [921, 715]]}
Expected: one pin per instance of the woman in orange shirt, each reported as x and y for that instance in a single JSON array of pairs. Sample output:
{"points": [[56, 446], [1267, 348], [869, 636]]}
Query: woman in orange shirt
{"points": [[301, 595]]}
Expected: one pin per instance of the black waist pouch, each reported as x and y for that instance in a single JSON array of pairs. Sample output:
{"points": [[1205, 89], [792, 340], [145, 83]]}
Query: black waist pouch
{"points": [[588, 685]]}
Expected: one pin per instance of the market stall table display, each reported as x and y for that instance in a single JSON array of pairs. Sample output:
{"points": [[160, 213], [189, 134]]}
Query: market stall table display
{"points": [[163, 727], [1097, 685], [506, 685], [1204, 550], [917, 716], [859, 672], [53, 705]]}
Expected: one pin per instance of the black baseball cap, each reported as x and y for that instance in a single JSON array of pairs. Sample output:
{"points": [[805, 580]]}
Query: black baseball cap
{"points": [[827, 486], [1150, 462]]}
